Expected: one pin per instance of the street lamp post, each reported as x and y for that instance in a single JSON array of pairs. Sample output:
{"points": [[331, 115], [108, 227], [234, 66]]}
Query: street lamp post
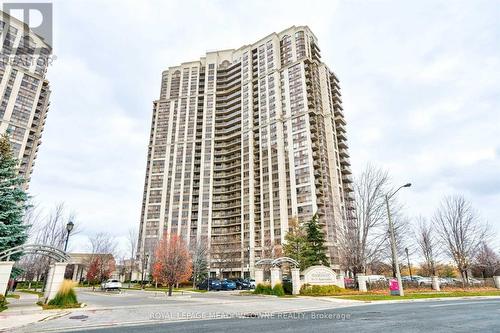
{"points": [[69, 227], [393, 239], [409, 264]]}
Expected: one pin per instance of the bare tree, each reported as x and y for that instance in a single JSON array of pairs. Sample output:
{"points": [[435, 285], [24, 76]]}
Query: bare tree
{"points": [[132, 247], [459, 227], [46, 230], [486, 261], [100, 263], [401, 235], [427, 245], [52, 229], [270, 250], [199, 255], [364, 233]]}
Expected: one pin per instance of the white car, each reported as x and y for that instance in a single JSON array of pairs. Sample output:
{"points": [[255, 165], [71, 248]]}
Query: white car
{"points": [[423, 281], [252, 283], [376, 278], [111, 285]]}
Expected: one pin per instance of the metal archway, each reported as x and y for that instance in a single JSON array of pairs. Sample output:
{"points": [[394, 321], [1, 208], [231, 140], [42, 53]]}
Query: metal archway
{"points": [[47, 250], [278, 261]]}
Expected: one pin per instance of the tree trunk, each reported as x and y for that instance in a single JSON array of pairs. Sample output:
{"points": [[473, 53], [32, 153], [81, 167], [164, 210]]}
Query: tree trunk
{"points": [[170, 287]]}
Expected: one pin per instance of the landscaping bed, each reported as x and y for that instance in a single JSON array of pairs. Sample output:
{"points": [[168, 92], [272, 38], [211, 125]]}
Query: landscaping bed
{"points": [[383, 296]]}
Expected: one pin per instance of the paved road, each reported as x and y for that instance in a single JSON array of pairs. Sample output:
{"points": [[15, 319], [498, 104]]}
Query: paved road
{"points": [[141, 307], [473, 315]]}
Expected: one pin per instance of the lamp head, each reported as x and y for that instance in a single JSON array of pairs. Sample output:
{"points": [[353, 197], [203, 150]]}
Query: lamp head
{"points": [[407, 185], [70, 226]]}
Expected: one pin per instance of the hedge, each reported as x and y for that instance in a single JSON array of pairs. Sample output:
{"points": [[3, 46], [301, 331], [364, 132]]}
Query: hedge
{"points": [[314, 290], [278, 290], [266, 289], [3, 303]]}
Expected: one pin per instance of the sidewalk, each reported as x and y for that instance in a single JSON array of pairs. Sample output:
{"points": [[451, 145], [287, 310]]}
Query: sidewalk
{"points": [[23, 311]]}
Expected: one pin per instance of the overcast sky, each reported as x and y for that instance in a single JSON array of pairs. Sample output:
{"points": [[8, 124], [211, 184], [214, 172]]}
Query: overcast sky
{"points": [[420, 83]]}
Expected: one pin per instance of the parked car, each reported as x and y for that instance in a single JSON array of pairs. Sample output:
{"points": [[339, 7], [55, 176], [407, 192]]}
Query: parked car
{"points": [[423, 281], [210, 284], [375, 278], [450, 281], [242, 284], [443, 281], [111, 285], [475, 281], [252, 283], [406, 279], [227, 284]]}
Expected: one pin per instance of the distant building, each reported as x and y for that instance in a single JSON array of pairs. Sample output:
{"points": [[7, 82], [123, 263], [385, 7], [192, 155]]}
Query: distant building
{"points": [[24, 92], [78, 264], [242, 141]]}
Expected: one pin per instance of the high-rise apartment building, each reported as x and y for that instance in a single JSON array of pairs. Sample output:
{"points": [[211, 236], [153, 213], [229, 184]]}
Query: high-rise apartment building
{"points": [[242, 142], [24, 92]]}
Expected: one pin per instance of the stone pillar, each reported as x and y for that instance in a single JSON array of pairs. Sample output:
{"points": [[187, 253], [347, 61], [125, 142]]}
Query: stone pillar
{"points": [[435, 283], [54, 280], [275, 276], [340, 280], [362, 282], [496, 279], [75, 272], [295, 281], [48, 279], [5, 269], [259, 276]]}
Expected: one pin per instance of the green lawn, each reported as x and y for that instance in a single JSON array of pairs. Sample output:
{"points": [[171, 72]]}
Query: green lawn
{"points": [[162, 289], [381, 297], [13, 296], [39, 293]]}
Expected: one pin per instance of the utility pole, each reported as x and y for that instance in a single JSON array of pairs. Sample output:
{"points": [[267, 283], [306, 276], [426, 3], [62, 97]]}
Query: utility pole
{"points": [[393, 239]]}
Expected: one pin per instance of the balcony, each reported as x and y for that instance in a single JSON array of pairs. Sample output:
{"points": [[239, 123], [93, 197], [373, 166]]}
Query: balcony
{"points": [[346, 170], [348, 187], [340, 120], [346, 178], [343, 153], [343, 144], [338, 112]]}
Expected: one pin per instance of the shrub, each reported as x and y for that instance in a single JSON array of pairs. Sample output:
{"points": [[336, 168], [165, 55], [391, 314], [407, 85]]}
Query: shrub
{"points": [[264, 289], [314, 290], [278, 290], [3, 303], [288, 288], [26, 284], [65, 295]]}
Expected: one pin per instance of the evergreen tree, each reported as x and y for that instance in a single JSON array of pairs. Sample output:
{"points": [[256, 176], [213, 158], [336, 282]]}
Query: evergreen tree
{"points": [[315, 252], [13, 200], [295, 243]]}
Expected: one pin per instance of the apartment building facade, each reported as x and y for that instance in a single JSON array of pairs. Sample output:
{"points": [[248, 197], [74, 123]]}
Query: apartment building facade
{"points": [[243, 142], [24, 92]]}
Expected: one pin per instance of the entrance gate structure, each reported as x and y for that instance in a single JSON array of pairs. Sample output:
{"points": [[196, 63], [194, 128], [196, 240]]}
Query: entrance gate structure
{"points": [[56, 271], [276, 273]]}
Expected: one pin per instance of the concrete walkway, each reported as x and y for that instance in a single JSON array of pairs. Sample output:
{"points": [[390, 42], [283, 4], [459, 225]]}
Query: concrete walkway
{"points": [[22, 311]]}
